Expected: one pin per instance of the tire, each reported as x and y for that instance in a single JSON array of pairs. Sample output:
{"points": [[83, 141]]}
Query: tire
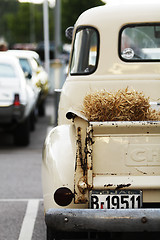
{"points": [[22, 133], [41, 109], [32, 121]]}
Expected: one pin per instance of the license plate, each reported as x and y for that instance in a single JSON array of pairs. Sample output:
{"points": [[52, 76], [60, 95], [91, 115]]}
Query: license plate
{"points": [[120, 199]]}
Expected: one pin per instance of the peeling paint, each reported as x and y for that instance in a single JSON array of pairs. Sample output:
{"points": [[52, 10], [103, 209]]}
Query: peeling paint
{"points": [[140, 171], [82, 185], [79, 147], [108, 185], [123, 186], [83, 167]]}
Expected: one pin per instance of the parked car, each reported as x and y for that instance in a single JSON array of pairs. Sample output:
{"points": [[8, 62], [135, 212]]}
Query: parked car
{"points": [[104, 176], [17, 100], [37, 76], [40, 50]]}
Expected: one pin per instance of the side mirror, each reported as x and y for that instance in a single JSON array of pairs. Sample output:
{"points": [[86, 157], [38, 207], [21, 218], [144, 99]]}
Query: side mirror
{"points": [[69, 33], [28, 75]]}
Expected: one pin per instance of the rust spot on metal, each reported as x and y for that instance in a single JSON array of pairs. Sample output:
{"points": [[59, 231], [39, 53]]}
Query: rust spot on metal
{"points": [[123, 186], [83, 167], [108, 185], [141, 171], [143, 219], [82, 185], [79, 147], [81, 199], [88, 149]]}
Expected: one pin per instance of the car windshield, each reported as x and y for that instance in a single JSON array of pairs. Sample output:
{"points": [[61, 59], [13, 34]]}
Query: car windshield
{"points": [[7, 71], [34, 64], [140, 43], [25, 65], [85, 51]]}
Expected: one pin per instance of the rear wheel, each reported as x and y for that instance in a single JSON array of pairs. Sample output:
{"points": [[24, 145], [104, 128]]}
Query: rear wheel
{"points": [[22, 133], [41, 109], [32, 121]]}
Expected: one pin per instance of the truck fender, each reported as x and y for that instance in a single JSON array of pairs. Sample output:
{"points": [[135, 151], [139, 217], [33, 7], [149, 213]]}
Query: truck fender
{"points": [[58, 162]]}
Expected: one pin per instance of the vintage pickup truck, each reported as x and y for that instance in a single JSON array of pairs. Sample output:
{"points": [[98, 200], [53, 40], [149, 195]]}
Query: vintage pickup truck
{"points": [[104, 177]]}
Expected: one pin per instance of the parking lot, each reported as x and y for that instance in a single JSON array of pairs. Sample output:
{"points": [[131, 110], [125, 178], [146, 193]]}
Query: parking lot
{"points": [[21, 204]]}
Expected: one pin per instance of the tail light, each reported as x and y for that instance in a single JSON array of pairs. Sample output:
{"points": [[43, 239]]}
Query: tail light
{"points": [[63, 196], [16, 100]]}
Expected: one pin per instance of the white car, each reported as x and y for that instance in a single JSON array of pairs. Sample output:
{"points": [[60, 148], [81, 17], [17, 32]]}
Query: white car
{"points": [[35, 73], [17, 100]]}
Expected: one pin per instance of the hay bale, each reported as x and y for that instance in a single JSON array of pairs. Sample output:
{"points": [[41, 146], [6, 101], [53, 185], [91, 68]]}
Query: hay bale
{"points": [[122, 105]]}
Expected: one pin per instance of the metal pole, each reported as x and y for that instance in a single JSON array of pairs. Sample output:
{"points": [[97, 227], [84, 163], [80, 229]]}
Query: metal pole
{"points": [[57, 27], [57, 37], [32, 23], [46, 35]]}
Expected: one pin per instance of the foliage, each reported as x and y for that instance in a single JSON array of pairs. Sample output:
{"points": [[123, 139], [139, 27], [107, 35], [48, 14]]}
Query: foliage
{"points": [[23, 22], [25, 25], [11, 7], [71, 9]]}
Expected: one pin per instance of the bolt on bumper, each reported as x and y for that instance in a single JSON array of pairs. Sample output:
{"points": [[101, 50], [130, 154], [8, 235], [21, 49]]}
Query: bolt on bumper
{"points": [[106, 220]]}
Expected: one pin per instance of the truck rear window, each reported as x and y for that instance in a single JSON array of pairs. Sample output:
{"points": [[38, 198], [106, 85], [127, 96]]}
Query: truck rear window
{"points": [[85, 51], [140, 42], [7, 71]]}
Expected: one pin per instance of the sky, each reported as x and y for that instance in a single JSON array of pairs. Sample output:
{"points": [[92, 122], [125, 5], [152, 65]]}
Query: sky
{"points": [[40, 1], [51, 2]]}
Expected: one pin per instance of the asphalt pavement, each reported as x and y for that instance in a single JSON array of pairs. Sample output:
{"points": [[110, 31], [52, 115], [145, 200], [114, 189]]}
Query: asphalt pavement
{"points": [[21, 201]]}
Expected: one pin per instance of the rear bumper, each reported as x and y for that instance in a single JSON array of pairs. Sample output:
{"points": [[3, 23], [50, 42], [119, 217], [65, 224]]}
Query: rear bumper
{"points": [[112, 220], [11, 113]]}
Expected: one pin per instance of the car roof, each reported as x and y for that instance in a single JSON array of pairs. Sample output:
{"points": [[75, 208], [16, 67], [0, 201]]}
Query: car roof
{"points": [[120, 12], [109, 20], [24, 53], [8, 58]]}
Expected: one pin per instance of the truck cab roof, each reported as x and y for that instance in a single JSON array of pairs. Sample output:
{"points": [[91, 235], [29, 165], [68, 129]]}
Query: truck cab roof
{"points": [[109, 21]]}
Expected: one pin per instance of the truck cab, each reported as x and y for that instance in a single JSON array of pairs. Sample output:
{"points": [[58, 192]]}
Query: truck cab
{"points": [[104, 176]]}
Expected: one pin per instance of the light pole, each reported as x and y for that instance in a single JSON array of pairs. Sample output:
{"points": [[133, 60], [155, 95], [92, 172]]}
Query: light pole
{"points": [[57, 27], [46, 35], [45, 29], [32, 23]]}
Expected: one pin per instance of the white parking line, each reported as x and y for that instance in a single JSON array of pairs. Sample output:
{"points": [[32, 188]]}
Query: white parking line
{"points": [[19, 199], [29, 220]]}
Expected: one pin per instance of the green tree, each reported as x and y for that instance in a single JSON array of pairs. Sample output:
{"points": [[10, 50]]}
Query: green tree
{"points": [[26, 24], [11, 6], [19, 24], [71, 9], [23, 22]]}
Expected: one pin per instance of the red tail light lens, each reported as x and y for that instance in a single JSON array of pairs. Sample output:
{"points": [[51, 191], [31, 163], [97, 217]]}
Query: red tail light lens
{"points": [[16, 100], [63, 196]]}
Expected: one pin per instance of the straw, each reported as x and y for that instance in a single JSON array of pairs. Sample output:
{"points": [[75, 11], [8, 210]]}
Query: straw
{"points": [[122, 105]]}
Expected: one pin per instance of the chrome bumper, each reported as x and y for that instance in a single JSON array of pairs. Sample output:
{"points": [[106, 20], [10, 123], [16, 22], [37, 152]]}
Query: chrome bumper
{"points": [[112, 220]]}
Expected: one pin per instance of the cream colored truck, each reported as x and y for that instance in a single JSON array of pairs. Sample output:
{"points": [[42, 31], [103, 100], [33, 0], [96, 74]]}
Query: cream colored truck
{"points": [[105, 176]]}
